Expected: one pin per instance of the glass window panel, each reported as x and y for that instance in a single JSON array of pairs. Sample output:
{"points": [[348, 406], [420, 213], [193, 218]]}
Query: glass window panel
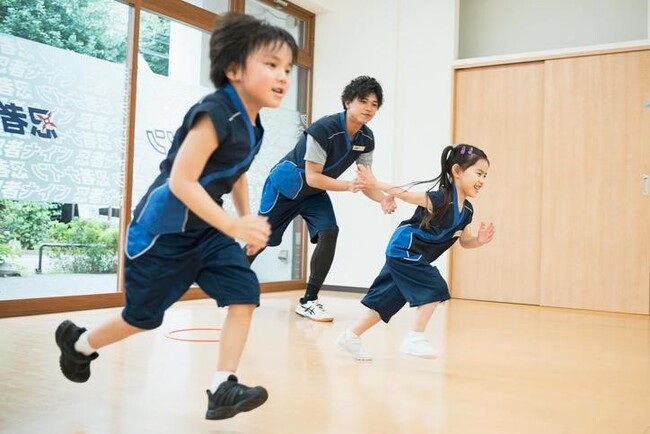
{"points": [[282, 127], [219, 7], [61, 146], [166, 90], [275, 16]]}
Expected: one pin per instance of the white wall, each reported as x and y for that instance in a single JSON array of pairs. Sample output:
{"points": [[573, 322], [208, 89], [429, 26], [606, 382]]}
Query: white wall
{"points": [[497, 27], [408, 46]]}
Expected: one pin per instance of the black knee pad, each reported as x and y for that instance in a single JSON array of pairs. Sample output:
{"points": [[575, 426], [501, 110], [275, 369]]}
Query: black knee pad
{"points": [[327, 237], [323, 255]]}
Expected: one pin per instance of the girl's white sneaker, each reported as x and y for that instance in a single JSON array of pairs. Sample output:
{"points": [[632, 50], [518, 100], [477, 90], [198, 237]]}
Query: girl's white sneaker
{"points": [[351, 343], [416, 344]]}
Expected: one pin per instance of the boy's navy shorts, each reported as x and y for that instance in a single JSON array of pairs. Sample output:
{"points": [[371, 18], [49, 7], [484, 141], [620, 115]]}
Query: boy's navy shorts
{"points": [[160, 276], [402, 280], [317, 211]]}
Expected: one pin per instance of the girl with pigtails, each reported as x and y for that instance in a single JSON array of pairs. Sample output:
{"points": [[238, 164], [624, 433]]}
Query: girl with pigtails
{"points": [[442, 216]]}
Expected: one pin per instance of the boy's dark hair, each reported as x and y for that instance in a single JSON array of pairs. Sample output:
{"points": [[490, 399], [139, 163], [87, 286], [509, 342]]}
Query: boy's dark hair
{"points": [[360, 88], [236, 36]]}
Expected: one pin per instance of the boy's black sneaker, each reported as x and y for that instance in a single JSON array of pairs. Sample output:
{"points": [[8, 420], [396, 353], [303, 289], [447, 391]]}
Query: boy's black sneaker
{"points": [[74, 365], [231, 398]]}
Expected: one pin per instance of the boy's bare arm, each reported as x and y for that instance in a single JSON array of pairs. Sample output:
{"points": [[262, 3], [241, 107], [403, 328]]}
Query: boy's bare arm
{"points": [[196, 149], [240, 197]]}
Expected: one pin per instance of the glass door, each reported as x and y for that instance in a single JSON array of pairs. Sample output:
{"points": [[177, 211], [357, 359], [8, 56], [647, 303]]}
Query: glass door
{"points": [[81, 140], [63, 111]]}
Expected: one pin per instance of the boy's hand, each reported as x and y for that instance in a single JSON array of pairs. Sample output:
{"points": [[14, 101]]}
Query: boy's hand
{"points": [[388, 205], [252, 250], [486, 233], [254, 230]]}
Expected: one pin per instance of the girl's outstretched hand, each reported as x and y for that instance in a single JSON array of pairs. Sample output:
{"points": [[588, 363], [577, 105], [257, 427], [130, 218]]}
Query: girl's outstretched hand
{"points": [[486, 233]]}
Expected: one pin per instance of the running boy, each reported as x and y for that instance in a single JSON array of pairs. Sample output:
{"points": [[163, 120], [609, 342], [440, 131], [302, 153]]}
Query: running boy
{"points": [[180, 234], [442, 217], [299, 183]]}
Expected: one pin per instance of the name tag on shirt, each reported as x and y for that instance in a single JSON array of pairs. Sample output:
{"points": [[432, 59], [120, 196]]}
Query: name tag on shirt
{"points": [[358, 148]]}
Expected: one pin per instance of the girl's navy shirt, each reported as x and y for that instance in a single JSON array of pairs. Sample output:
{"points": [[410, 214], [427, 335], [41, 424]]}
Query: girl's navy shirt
{"points": [[415, 243]]}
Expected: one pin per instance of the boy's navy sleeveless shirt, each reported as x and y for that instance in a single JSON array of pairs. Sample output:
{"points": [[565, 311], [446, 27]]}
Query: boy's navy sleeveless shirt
{"points": [[159, 211], [288, 176], [411, 242]]}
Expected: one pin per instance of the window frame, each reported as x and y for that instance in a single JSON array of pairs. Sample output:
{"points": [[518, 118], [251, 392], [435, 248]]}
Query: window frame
{"points": [[200, 19]]}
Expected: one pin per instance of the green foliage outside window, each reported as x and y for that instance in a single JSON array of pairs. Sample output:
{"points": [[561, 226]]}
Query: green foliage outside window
{"points": [[154, 42], [9, 248], [26, 222], [83, 26], [99, 251], [29, 224]]}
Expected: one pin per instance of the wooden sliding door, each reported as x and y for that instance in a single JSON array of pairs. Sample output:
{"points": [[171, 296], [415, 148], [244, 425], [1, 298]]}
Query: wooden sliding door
{"points": [[595, 220], [569, 144], [500, 110]]}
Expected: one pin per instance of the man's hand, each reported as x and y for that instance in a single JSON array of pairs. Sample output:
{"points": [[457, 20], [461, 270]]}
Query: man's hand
{"points": [[388, 205], [356, 185], [366, 177]]}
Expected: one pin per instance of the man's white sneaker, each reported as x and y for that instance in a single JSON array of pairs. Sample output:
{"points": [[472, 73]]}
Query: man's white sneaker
{"points": [[416, 344], [314, 311], [351, 343]]}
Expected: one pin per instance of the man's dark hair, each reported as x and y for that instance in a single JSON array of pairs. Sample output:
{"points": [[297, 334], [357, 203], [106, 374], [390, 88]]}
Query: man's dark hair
{"points": [[236, 36], [360, 88]]}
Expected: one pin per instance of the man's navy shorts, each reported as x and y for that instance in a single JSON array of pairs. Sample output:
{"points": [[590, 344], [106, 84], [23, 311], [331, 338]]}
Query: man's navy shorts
{"points": [[317, 210]]}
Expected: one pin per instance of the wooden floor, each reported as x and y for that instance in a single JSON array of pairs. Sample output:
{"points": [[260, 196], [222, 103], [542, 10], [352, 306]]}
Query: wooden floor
{"points": [[503, 369]]}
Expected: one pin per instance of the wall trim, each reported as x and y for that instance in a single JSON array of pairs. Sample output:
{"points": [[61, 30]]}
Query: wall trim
{"points": [[72, 303], [551, 54], [353, 289]]}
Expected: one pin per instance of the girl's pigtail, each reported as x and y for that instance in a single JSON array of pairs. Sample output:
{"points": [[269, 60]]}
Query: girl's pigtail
{"points": [[445, 168], [444, 180], [441, 179]]}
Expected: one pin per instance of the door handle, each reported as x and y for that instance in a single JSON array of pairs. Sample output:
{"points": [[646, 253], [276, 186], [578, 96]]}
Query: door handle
{"points": [[645, 185]]}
